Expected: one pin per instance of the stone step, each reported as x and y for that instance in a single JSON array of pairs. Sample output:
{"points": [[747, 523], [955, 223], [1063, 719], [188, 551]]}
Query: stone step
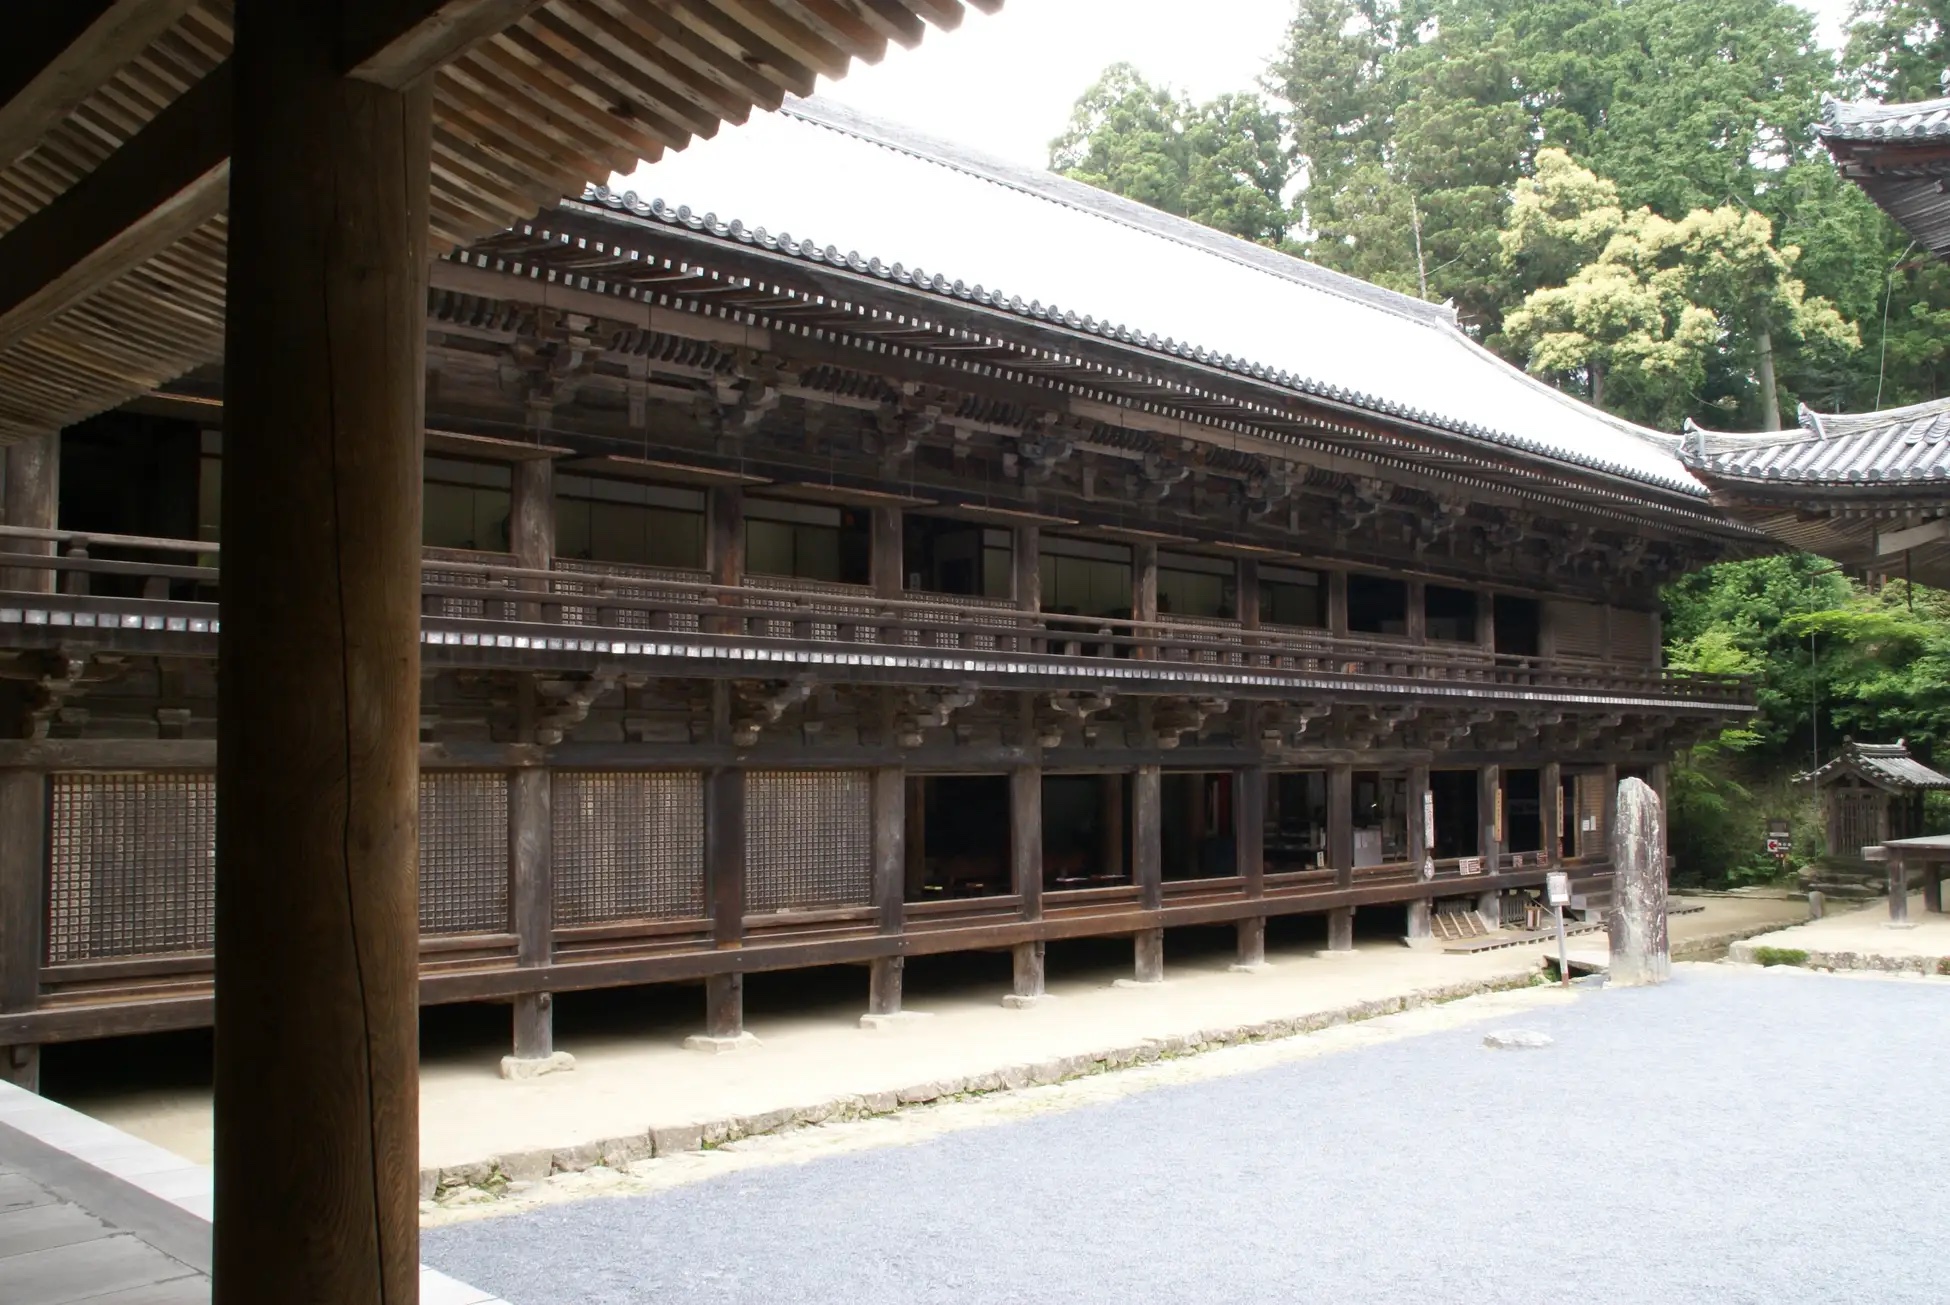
{"points": [[1848, 892]]}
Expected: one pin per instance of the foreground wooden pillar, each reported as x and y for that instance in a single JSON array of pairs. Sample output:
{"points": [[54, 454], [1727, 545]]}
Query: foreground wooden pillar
{"points": [[1340, 932], [725, 552], [317, 1083], [1639, 954], [23, 911], [1489, 822], [1026, 874], [33, 498]]}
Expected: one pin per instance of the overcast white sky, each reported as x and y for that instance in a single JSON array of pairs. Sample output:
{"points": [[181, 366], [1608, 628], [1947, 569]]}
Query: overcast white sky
{"points": [[1004, 84]]}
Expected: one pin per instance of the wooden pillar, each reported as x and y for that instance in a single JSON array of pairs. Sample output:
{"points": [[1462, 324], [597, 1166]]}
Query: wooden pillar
{"points": [[23, 911], [1147, 867], [1610, 806], [531, 529], [1340, 823], [317, 1075], [724, 870], [1248, 613], [1933, 887], [1550, 795], [1420, 924], [1418, 611], [884, 563], [1027, 547], [914, 839], [1421, 822], [33, 498], [1111, 832], [725, 551], [1898, 888], [1489, 839], [532, 895], [1249, 853], [1337, 604], [1144, 592], [1026, 874], [889, 840]]}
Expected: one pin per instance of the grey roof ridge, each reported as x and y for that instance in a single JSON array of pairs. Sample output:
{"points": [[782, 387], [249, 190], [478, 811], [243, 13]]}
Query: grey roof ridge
{"points": [[683, 216], [1874, 120], [1055, 188], [1700, 447]]}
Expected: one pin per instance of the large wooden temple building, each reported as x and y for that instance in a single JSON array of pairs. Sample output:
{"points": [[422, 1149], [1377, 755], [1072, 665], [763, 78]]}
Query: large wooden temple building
{"points": [[867, 550]]}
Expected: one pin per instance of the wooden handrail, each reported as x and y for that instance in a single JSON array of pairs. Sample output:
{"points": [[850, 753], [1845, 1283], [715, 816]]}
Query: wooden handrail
{"points": [[523, 593]]}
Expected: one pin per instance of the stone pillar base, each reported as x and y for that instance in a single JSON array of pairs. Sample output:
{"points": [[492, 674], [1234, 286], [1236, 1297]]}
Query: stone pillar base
{"points": [[1158, 982], [1025, 1001], [900, 1019], [1248, 967], [721, 1046], [520, 1067]]}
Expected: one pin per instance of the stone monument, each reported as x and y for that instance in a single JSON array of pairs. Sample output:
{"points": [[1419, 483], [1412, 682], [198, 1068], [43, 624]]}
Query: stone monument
{"points": [[1639, 951]]}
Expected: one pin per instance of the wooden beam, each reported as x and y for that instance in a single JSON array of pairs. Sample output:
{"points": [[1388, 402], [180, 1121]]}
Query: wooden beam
{"points": [[394, 45], [167, 180], [59, 52], [1901, 541], [23, 912]]}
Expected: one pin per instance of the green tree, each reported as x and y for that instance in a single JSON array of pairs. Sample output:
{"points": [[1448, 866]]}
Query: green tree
{"points": [[1897, 50], [1220, 163]]}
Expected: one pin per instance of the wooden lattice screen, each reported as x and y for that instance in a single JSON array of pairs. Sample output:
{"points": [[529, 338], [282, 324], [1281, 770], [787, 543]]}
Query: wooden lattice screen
{"points": [[131, 865], [808, 840], [628, 846], [463, 852]]}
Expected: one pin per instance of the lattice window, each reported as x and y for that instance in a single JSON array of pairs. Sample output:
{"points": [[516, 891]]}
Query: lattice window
{"points": [[808, 840], [628, 846], [463, 853], [131, 865]]}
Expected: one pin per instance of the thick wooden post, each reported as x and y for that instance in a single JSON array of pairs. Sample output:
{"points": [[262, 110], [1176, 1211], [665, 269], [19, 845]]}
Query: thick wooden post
{"points": [[725, 551], [724, 870], [1550, 793], [1144, 595], [1026, 874], [531, 529], [884, 560], [1418, 611], [1249, 850], [914, 836], [1147, 866], [1421, 822], [317, 1078], [1340, 931], [1110, 834], [1490, 838], [1639, 954], [23, 911], [889, 841], [530, 803], [1340, 823], [1337, 604], [1027, 580], [33, 498]]}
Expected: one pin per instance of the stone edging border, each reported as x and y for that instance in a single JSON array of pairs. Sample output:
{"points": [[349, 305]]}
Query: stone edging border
{"points": [[493, 1175], [1744, 953]]}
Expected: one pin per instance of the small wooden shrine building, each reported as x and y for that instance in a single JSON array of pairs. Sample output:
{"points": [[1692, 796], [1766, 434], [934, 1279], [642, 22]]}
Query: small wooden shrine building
{"points": [[1872, 793]]}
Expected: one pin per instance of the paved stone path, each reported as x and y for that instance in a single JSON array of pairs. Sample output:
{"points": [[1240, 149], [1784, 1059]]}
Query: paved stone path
{"points": [[1736, 1136]]}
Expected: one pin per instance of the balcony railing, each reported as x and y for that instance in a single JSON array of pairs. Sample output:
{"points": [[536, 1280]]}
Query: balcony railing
{"points": [[480, 591]]}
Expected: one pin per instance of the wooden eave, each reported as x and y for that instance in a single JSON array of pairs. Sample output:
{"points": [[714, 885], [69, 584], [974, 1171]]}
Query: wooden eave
{"points": [[575, 259], [114, 146]]}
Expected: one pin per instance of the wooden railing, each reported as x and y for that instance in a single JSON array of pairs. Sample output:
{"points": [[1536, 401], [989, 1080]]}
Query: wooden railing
{"points": [[669, 601]]}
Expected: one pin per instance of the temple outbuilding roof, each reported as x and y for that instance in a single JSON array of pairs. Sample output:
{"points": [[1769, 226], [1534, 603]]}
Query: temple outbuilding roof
{"points": [[1886, 765], [1894, 446], [1895, 153], [833, 185]]}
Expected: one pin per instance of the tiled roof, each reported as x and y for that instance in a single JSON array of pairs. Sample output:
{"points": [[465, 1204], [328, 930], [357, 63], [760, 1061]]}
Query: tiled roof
{"points": [[1885, 763], [1893, 447], [1866, 120], [825, 179]]}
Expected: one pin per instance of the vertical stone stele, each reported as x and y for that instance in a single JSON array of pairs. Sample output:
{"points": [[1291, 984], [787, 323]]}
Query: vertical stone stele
{"points": [[1639, 952]]}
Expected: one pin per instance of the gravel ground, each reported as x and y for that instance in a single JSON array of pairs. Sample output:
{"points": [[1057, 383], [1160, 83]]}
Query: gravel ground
{"points": [[1735, 1136]]}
